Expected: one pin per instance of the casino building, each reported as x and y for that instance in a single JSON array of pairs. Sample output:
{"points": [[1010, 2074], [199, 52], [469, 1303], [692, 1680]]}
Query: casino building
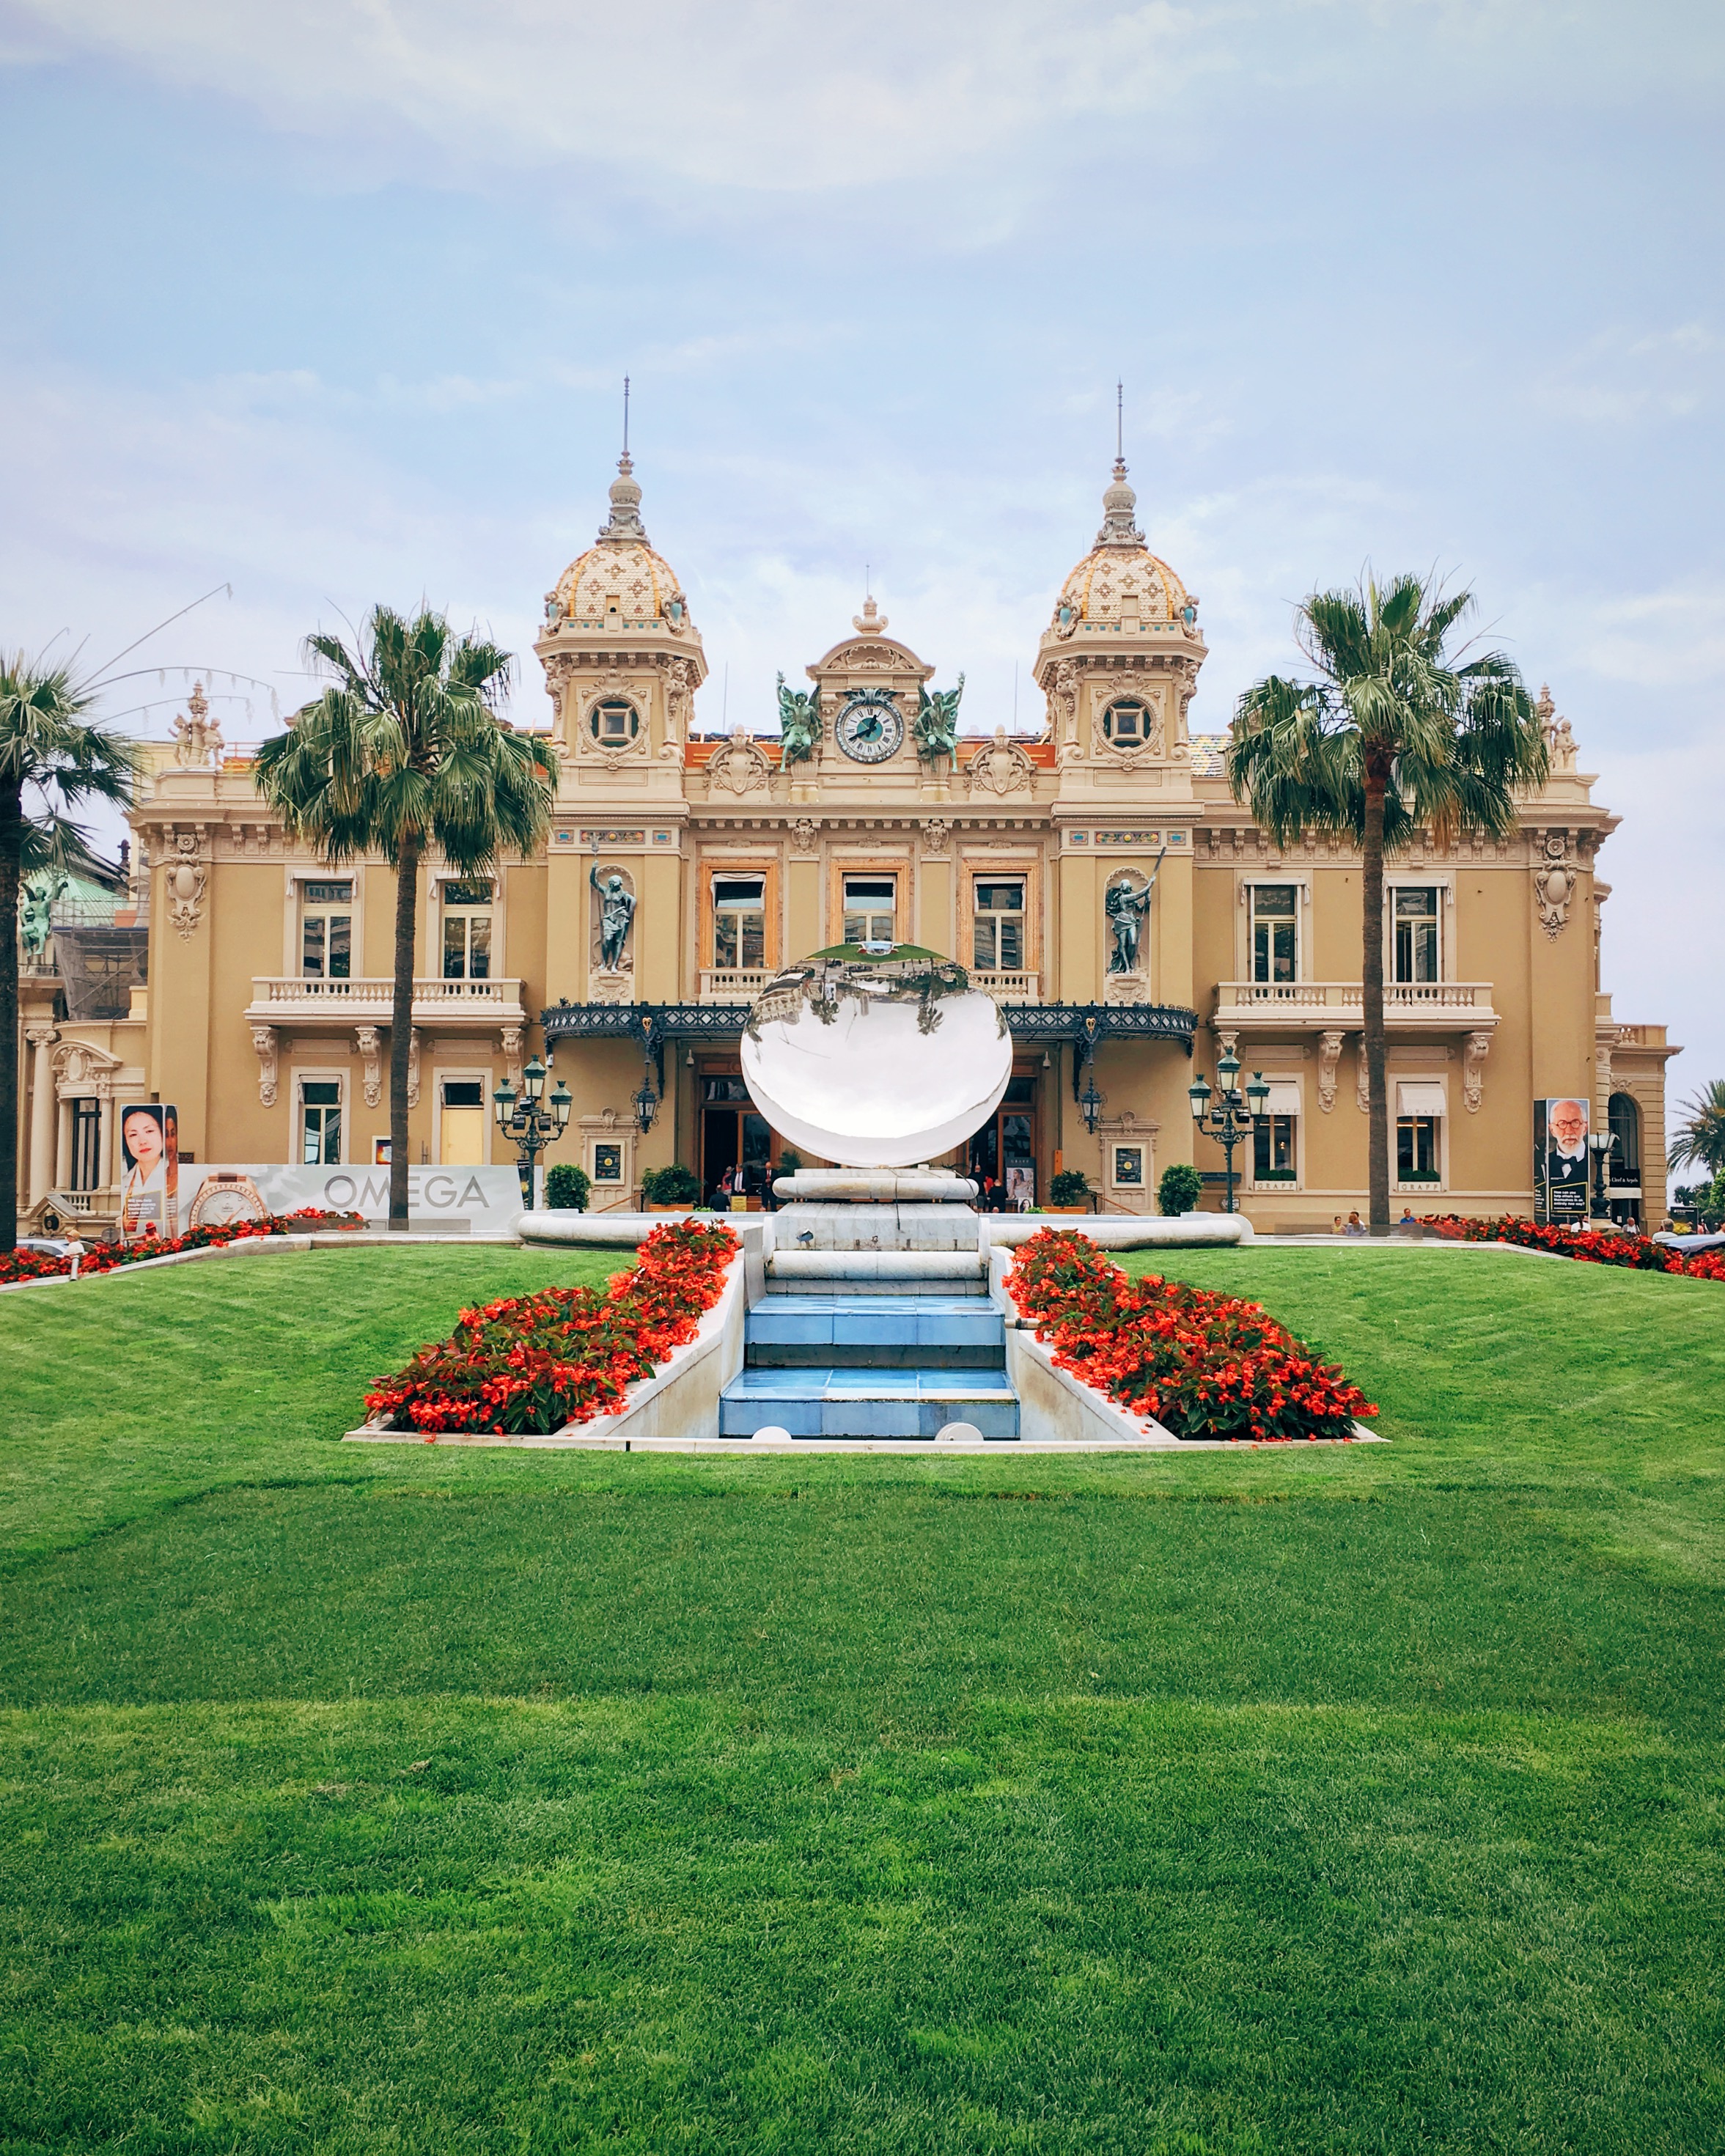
{"points": [[249, 984]]}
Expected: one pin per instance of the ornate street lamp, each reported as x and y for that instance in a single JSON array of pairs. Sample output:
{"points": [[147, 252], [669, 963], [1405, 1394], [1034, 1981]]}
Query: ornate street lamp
{"points": [[1090, 1100], [1599, 1144], [529, 1121], [1233, 1115], [646, 1103]]}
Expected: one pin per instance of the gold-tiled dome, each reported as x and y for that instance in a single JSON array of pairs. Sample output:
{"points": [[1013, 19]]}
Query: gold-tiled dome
{"points": [[620, 581], [1120, 579]]}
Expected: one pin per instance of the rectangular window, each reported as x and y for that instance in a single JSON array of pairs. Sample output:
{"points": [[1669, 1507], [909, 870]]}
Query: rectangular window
{"points": [[1416, 1148], [467, 931], [1275, 922], [87, 1144], [1273, 1149], [1418, 920], [326, 931], [740, 922], [321, 1121], [870, 909], [998, 930]]}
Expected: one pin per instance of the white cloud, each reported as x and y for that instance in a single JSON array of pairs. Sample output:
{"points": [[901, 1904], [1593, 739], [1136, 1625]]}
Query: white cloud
{"points": [[786, 95]]}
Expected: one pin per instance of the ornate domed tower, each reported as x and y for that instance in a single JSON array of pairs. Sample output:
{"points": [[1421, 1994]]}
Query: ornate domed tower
{"points": [[1118, 663], [1119, 660], [623, 659]]}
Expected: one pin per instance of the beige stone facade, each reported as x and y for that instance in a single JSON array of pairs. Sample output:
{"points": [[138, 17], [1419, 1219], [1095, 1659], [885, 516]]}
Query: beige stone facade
{"points": [[268, 994]]}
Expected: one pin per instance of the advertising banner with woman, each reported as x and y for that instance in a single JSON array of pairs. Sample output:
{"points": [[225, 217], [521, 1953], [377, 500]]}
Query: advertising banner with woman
{"points": [[150, 1182]]}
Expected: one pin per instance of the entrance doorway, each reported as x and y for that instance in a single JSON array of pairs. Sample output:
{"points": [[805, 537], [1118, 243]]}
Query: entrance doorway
{"points": [[1005, 1146], [734, 1135], [461, 1136]]}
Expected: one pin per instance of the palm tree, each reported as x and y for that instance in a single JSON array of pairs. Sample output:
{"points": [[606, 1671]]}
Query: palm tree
{"points": [[52, 760], [1395, 733], [1700, 1139], [402, 752]]}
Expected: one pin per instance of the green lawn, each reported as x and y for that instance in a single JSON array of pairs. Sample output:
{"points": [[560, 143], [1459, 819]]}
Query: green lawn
{"points": [[399, 1799]]}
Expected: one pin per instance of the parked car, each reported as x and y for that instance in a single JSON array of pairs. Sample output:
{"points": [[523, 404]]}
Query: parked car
{"points": [[1691, 1246]]}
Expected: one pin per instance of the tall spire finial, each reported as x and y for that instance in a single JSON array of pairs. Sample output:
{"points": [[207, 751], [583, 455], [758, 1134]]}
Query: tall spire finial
{"points": [[625, 494], [1119, 423]]}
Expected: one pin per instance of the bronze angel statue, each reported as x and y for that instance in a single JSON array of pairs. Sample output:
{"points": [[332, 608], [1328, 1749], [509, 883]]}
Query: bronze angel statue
{"points": [[798, 723], [937, 727]]}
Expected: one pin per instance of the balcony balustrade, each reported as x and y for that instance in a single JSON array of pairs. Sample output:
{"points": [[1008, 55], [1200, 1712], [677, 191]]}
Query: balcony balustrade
{"points": [[732, 984], [287, 1000], [1007, 987], [1464, 1005]]}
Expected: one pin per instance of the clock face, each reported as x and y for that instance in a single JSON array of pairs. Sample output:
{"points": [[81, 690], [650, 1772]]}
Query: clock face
{"points": [[870, 727]]}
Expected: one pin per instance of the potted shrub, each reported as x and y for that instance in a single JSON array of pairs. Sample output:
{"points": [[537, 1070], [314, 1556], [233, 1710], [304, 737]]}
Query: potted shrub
{"points": [[567, 1189], [1177, 1190], [671, 1189], [1068, 1193]]}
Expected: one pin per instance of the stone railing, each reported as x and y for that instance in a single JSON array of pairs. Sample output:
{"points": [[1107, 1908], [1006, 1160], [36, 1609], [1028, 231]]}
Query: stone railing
{"points": [[1340, 1004], [1007, 987], [732, 984], [279, 1001]]}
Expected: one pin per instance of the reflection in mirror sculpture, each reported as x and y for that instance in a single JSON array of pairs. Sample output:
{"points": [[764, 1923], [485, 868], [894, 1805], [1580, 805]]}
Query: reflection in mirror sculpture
{"points": [[875, 1061]]}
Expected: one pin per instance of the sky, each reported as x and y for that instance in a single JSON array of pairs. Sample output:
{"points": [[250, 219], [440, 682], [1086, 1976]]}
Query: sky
{"points": [[325, 302]]}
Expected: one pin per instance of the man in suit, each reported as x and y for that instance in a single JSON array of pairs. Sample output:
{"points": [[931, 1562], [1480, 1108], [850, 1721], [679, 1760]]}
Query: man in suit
{"points": [[1566, 1164]]}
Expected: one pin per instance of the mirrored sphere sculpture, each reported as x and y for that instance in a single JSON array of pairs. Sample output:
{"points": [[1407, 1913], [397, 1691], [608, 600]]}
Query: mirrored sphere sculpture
{"points": [[875, 1059]]}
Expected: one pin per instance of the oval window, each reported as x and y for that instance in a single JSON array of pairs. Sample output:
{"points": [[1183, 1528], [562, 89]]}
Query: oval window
{"points": [[1127, 723]]}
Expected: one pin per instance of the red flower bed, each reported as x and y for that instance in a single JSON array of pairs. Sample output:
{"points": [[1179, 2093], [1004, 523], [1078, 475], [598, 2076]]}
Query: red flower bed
{"points": [[529, 1365], [1204, 1365], [109, 1257], [1588, 1246]]}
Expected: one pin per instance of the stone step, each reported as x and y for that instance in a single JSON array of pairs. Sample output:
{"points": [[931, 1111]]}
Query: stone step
{"points": [[869, 1403], [913, 1228], [920, 1269], [949, 1333]]}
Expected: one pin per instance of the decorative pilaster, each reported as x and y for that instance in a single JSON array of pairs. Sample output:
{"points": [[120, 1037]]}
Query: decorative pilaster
{"points": [[42, 1038], [1473, 1069], [264, 1040], [368, 1040], [1329, 1055]]}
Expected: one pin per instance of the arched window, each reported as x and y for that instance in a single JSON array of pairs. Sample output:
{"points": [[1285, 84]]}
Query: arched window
{"points": [[1127, 723], [615, 722], [1626, 1118]]}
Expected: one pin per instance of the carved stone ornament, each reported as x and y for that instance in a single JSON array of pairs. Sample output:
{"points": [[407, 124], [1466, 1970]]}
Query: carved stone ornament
{"points": [[187, 877], [805, 835], [368, 1038], [740, 767], [1473, 1069], [937, 836], [511, 1038], [1554, 886], [264, 1040], [1063, 707], [614, 688], [678, 688], [1329, 1055], [558, 668], [199, 745], [1000, 767], [413, 1066], [613, 988], [1362, 1079], [1559, 737]]}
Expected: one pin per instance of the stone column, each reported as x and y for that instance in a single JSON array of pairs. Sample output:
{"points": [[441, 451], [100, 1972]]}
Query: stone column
{"points": [[105, 1136], [42, 1038]]}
